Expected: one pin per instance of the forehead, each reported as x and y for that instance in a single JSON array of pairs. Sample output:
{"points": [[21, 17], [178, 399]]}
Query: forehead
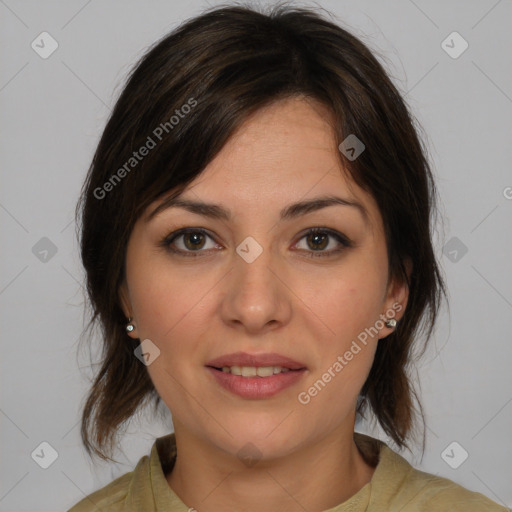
{"points": [[289, 145], [281, 154], [288, 139]]}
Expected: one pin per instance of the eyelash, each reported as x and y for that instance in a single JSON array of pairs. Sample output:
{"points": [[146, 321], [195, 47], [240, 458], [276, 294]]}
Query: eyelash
{"points": [[342, 239]]}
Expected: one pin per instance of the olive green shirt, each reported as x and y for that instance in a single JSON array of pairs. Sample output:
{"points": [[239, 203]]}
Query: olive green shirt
{"points": [[395, 486]]}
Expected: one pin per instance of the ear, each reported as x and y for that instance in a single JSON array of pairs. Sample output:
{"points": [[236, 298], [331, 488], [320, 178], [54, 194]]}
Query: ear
{"points": [[124, 299], [397, 296]]}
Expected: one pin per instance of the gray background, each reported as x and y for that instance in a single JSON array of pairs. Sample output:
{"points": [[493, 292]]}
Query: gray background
{"points": [[53, 111]]}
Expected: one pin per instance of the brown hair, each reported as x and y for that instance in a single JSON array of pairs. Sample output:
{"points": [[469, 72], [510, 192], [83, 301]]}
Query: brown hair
{"points": [[225, 64]]}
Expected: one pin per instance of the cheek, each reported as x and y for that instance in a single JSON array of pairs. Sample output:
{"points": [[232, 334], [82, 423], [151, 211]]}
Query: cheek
{"points": [[166, 307], [165, 295], [173, 307], [349, 299], [170, 312], [348, 305]]}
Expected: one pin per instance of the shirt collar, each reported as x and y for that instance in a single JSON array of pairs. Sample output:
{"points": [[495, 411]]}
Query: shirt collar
{"points": [[150, 479]]}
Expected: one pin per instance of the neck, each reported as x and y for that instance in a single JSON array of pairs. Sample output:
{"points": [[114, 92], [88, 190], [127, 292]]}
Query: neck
{"points": [[315, 478]]}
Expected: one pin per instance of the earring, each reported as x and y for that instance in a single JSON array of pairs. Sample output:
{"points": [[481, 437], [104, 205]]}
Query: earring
{"points": [[391, 323], [130, 327]]}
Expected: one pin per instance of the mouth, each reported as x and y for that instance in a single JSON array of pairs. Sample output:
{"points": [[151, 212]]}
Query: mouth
{"points": [[247, 364], [255, 387], [255, 376], [254, 371]]}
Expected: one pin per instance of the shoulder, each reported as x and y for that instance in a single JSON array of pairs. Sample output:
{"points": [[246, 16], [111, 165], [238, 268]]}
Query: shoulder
{"points": [[441, 494], [397, 485], [138, 489], [418, 491], [115, 496]]}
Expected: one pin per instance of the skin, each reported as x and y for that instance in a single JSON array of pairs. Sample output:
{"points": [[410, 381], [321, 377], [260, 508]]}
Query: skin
{"points": [[307, 308]]}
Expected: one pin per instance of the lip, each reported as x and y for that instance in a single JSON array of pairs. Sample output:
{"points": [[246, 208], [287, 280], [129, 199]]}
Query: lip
{"points": [[256, 387], [256, 360]]}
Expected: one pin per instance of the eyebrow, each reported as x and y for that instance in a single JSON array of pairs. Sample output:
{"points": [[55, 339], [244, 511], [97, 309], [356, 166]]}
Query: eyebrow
{"points": [[216, 211]]}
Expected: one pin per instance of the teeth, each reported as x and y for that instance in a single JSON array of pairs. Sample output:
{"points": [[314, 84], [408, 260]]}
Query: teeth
{"points": [[249, 371], [252, 371]]}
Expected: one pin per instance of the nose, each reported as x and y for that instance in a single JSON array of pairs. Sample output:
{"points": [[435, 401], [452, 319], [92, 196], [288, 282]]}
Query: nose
{"points": [[257, 298]]}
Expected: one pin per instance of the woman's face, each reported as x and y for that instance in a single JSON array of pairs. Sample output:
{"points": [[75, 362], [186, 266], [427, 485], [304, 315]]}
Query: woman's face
{"points": [[255, 281]]}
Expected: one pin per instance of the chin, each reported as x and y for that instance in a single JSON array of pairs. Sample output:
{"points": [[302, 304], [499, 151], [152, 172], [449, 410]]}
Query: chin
{"points": [[264, 441]]}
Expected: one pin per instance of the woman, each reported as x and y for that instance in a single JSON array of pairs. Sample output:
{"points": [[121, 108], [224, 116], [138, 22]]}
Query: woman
{"points": [[256, 232]]}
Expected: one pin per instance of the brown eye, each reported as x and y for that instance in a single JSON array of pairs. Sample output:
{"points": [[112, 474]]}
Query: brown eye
{"points": [[318, 241], [194, 240], [189, 242]]}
